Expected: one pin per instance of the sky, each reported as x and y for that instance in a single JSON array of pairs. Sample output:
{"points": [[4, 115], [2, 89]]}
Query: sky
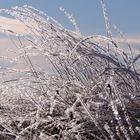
{"points": [[88, 13]]}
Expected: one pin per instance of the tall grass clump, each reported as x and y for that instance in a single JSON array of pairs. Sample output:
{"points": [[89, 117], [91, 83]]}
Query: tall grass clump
{"points": [[88, 89]]}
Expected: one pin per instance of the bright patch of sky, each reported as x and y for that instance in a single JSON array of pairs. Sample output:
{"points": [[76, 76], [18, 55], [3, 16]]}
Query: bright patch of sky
{"points": [[88, 13], [89, 17]]}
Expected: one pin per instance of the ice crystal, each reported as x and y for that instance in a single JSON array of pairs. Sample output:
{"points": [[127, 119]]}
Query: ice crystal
{"points": [[70, 87]]}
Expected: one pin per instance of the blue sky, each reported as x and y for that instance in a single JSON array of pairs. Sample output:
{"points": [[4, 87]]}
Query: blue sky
{"points": [[89, 17], [88, 13]]}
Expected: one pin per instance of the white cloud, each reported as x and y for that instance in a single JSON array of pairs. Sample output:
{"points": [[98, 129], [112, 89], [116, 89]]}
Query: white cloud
{"points": [[135, 39], [18, 27], [12, 25]]}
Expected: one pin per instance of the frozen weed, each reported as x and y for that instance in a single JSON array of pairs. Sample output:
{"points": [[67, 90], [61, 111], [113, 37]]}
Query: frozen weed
{"points": [[92, 91]]}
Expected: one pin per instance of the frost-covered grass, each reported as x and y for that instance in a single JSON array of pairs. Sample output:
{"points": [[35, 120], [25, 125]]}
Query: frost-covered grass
{"points": [[91, 93]]}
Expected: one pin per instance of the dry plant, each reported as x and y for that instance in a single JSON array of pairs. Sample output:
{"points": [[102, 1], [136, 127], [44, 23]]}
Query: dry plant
{"points": [[92, 91]]}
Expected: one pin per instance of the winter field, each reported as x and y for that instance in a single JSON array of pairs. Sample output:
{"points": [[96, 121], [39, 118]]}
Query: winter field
{"points": [[56, 84]]}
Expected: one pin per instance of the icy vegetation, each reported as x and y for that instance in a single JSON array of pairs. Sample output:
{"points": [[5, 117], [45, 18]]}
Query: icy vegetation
{"points": [[90, 93]]}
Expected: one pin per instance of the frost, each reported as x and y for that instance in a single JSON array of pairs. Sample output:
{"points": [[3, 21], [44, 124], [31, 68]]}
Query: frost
{"points": [[65, 85]]}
